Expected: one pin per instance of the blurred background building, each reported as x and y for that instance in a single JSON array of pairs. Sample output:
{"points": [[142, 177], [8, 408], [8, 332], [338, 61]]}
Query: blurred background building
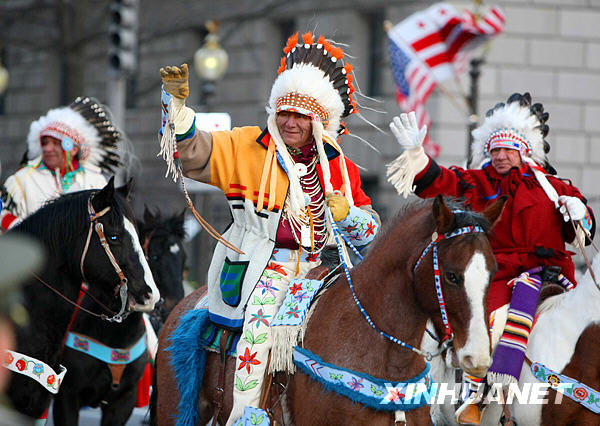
{"points": [[56, 50]]}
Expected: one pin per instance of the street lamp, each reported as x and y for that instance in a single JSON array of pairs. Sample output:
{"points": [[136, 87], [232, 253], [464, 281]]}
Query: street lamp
{"points": [[210, 61], [3, 79]]}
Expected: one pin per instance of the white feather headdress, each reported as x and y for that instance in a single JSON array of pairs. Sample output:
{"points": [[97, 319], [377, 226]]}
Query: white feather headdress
{"points": [[314, 81], [88, 124], [514, 120]]}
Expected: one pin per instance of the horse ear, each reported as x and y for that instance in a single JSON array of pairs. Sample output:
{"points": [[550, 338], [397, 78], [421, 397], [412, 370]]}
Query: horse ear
{"points": [[148, 216], [126, 189], [103, 198], [494, 212], [443, 217]]}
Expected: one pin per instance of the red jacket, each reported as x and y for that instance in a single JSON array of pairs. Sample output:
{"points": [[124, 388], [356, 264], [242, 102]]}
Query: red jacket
{"points": [[530, 233]]}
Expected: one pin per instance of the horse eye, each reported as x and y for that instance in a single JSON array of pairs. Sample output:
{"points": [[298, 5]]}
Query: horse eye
{"points": [[453, 278], [155, 257], [113, 238]]}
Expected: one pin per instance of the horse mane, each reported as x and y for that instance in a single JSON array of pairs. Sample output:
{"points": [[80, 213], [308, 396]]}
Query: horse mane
{"points": [[58, 221], [173, 225], [65, 219], [463, 215]]}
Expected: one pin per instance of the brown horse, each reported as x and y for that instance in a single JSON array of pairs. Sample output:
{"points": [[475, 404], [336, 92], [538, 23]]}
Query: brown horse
{"points": [[399, 294]]}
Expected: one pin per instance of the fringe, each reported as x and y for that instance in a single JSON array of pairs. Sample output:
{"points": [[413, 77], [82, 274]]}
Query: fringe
{"points": [[504, 379], [168, 142], [285, 338], [401, 174]]}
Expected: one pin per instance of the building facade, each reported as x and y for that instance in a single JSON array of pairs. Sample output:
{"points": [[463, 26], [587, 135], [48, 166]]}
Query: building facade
{"points": [[55, 50]]}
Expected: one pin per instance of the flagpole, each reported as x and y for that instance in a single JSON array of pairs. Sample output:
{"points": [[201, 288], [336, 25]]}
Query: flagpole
{"points": [[473, 98], [462, 108]]}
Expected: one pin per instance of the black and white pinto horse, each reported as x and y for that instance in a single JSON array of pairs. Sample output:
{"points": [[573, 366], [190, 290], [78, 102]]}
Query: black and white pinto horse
{"points": [[88, 236], [94, 378], [566, 339]]}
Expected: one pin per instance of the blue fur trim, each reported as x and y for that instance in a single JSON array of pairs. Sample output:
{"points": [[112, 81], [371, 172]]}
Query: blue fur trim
{"points": [[188, 359]]}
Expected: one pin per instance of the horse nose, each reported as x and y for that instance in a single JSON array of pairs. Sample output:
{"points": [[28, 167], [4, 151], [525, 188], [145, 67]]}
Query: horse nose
{"points": [[475, 365]]}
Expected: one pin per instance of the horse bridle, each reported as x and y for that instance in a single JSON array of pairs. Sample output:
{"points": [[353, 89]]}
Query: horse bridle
{"points": [[121, 288], [435, 238], [446, 341]]}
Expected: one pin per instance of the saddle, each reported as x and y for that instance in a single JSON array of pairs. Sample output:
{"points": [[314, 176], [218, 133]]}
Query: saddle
{"points": [[550, 283]]}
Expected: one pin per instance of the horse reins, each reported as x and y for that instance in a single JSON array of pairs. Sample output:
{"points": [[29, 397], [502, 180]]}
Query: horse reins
{"points": [[102, 316], [170, 154], [435, 238], [581, 248]]}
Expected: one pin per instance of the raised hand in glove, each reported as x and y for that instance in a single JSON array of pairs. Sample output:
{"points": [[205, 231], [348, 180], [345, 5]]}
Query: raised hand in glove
{"points": [[573, 206], [175, 81], [407, 132], [338, 204]]}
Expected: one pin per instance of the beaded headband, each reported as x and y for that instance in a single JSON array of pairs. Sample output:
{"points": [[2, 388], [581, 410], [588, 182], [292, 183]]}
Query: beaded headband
{"points": [[508, 138], [303, 104]]}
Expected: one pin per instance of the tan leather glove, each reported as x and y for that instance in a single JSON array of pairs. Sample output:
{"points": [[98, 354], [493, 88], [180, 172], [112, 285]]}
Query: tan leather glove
{"points": [[175, 81], [338, 204]]}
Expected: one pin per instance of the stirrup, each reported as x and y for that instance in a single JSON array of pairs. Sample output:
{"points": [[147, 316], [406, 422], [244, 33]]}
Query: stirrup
{"points": [[469, 413], [253, 417]]}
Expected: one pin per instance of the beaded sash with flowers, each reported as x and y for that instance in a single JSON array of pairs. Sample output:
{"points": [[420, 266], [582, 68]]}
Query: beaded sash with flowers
{"points": [[578, 392], [35, 369], [379, 394]]}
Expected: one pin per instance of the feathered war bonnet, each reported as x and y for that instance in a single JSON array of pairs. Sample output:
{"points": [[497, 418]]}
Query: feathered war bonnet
{"points": [[515, 125], [314, 80], [85, 123]]}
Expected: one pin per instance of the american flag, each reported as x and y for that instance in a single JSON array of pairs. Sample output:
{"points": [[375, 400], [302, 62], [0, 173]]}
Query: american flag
{"points": [[414, 84], [432, 46]]}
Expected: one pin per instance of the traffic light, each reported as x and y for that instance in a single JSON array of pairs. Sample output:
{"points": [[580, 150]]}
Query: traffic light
{"points": [[123, 35]]}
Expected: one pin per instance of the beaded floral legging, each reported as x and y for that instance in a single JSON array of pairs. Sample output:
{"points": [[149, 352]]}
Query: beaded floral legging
{"points": [[255, 343]]}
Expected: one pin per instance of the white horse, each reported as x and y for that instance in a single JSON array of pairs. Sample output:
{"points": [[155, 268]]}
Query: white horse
{"points": [[561, 321]]}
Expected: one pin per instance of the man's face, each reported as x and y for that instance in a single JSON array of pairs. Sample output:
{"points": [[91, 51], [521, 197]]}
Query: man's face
{"points": [[504, 159], [295, 129], [52, 152]]}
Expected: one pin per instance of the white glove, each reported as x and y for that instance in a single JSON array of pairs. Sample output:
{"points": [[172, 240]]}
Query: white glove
{"points": [[402, 171], [572, 205], [406, 131]]}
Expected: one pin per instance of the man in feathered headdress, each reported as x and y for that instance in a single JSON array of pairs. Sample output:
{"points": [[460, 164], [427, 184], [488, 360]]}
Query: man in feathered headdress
{"points": [[280, 182], [68, 149], [509, 155]]}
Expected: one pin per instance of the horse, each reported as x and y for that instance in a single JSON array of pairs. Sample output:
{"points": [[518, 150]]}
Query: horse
{"points": [[88, 236], [98, 382], [394, 281], [566, 339], [162, 240]]}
